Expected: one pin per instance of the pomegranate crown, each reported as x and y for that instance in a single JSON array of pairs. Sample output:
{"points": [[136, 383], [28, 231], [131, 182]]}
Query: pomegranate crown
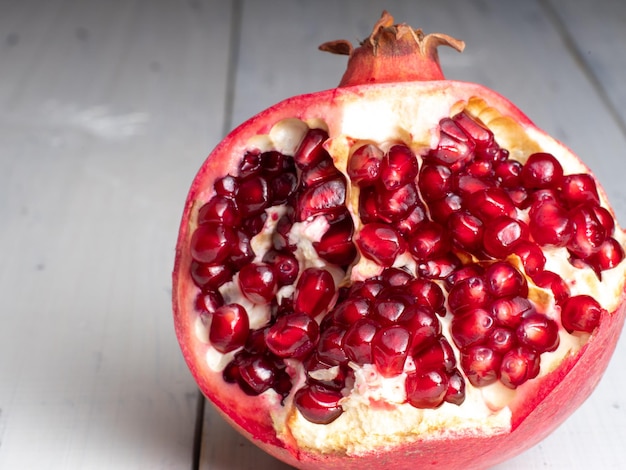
{"points": [[392, 53]]}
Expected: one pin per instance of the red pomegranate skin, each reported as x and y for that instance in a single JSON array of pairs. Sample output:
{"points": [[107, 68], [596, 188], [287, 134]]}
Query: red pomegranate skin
{"points": [[540, 405]]}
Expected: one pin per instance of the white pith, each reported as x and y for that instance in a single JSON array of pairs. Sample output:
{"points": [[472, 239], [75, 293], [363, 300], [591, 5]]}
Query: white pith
{"points": [[375, 410]]}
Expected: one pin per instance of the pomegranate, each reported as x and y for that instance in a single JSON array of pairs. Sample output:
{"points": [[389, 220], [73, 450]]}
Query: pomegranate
{"points": [[400, 272]]}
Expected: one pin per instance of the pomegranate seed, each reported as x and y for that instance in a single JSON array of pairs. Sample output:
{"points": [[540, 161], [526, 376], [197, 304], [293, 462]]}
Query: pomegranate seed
{"points": [[466, 231], [588, 233], [211, 243], [518, 366], [481, 365], [351, 310], [398, 167], [324, 198], [274, 163], [434, 181], [241, 252], [368, 289], [283, 187], [502, 234], [387, 309], [456, 388], [609, 255], [364, 165], [250, 164], [380, 243], [538, 333], [357, 342], [554, 282], [549, 224], [314, 292], [396, 204], [480, 135], [329, 348], [426, 390], [413, 221], [542, 170], [580, 189], [519, 196], [336, 244], [390, 348], [285, 265], [439, 268], [501, 340], [471, 327], [605, 217], [255, 344], [504, 280], [481, 169], [368, 209], [208, 301], [280, 237], [491, 203], [464, 272], [229, 328], [581, 313], [311, 149], [293, 335], [455, 148], [508, 173], [465, 184], [253, 196], [442, 209], [330, 377], [437, 356], [426, 293], [423, 324], [256, 374], [395, 277], [323, 170], [210, 276], [318, 404], [227, 186], [532, 257], [431, 241], [509, 312], [471, 292], [257, 282], [220, 209]]}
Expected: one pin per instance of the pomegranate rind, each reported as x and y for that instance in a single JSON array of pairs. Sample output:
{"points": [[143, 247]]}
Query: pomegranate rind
{"points": [[540, 406]]}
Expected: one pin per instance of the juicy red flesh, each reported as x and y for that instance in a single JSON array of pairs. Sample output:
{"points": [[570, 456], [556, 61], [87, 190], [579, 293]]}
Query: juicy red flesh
{"points": [[471, 220]]}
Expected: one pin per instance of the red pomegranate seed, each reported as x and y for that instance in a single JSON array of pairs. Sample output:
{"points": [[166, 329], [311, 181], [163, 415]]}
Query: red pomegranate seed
{"points": [[508, 173], [538, 333], [588, 233], [285, 265], [320, 373], [465, 184], [283, 187], [368, 289], [357, 342], [491, 203], [336, 245], [481, 365], [434, 182], [471, 292], [274, 163], [431, 241], [364, 165], [241, 252], [554, 282], [227, 186], [542, 170], [208, 301], [398, 167], [456, 388], [504, 280], [481, 169], [253, 196], [220, 209], [455, 149], [442, 209], [423, 324], [323, 170], [229, 328], [293, 335], [427, 293], [257, 374], [426, 390], [502, 234], [318, 404], [395, 277], [390, 348], [311, 149], [211, 243], [531, 255], [387, 309], [471, 327], [518, 366], [609, 255], [501, 340], [579, 189], [549, 224], [210, 276], [250, 164], [396, 204], [380, 243], [257, 282], [368, 209], [330, 346], [351, 310], [509, 312], [581, 313], [255, 344], [413, 221], [325, 198], [439, 268], [466, 231], [478, 133], [314, 292], [519, 196], [605, 217], [437, 356], [464, 272]]}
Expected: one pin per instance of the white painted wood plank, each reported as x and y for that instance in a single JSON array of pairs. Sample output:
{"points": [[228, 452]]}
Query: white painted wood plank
{"points": [[106, 111], [512, 47]]}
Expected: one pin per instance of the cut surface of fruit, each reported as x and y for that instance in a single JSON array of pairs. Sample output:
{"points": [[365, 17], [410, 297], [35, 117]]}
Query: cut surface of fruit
{"points": [[397, 269]]}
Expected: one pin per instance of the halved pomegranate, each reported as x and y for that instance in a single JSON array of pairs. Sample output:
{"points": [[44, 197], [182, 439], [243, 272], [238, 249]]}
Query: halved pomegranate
{"points": [[401, 272]]}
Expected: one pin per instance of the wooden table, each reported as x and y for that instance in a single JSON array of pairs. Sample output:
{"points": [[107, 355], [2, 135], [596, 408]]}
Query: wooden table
{"points": [[107, 109]]}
